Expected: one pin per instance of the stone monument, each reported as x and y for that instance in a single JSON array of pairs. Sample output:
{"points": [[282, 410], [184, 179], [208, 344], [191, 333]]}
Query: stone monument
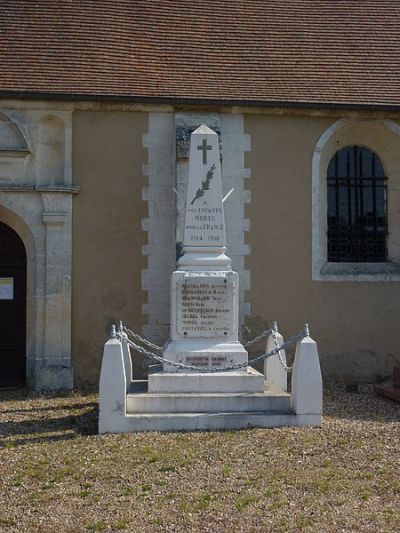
{"points": [[204, 289], [205, 381]]}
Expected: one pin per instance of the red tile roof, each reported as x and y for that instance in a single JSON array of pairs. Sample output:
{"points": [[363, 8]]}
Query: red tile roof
{"points": [[289, 52]]}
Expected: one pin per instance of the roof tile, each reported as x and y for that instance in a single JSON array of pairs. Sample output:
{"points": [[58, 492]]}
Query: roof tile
{"points": [[279, 51]]}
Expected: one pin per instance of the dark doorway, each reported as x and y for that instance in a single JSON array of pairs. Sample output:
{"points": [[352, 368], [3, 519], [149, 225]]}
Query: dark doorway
{"points": [[12, 308]]}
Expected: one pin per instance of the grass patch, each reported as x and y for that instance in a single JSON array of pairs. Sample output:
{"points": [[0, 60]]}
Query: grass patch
{"points": [[97, 526], [243, 501], [167, 468], [122, 524]]}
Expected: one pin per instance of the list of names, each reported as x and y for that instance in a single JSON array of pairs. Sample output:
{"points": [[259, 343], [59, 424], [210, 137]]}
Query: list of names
{"points": [[205, 307]]}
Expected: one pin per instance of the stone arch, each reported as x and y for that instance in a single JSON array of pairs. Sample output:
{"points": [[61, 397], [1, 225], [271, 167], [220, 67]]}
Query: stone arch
{"points": [[16, 222], [383, 138], [11, 137], [51, 150]]}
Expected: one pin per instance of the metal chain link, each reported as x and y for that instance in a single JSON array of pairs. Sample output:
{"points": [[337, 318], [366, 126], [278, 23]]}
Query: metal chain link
{"points": [[258, 338], [237, 366], [141, 339], [159, 348]]}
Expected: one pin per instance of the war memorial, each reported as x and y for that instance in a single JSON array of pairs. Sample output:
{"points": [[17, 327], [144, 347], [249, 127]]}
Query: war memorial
{"points": [[202, 378]]}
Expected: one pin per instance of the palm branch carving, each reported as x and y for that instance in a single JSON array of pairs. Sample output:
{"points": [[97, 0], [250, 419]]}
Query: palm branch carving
{"points": [[205, 185]]}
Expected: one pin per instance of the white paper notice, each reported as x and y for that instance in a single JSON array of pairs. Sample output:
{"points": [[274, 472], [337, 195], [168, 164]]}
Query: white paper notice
{"points": [[6, 289]]}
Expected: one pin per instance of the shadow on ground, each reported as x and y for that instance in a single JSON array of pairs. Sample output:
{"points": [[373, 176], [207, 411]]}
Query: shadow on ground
{"points": [[27, 417]]}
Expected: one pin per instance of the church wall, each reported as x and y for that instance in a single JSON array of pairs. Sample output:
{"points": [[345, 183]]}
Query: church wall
{"points": [[118, 191], [113, 162], [354, 323], [108, 155]]}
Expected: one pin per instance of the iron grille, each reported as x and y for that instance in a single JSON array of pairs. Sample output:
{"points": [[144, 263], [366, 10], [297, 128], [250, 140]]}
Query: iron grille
{"points": [[357, 207]]}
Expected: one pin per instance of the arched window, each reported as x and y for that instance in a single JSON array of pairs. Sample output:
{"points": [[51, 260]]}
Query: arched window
{"points": [[357, 207]]}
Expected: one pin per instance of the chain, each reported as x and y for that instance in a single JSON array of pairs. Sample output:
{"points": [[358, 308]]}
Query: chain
{"points": [[237, 366], [282, 362], [158, 348], [141, 339], [258, 338]]}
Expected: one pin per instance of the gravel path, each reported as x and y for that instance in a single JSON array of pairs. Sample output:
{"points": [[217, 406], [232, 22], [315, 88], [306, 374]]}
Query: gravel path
{"points": [[57, 474]]}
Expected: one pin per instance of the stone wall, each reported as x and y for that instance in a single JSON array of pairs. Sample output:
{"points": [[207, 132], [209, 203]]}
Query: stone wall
{"points": [[354, 322], [36, 201], [122, 162]]}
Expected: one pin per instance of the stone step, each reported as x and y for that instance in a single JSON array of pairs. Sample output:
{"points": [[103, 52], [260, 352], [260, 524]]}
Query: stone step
{"points": [[212, 421], [271, 401], [248, 380]]}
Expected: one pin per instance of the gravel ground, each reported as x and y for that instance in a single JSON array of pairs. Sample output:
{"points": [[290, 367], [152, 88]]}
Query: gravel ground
{"points": [[57, 474]]}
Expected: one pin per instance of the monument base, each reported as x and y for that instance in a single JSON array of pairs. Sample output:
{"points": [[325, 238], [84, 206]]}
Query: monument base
{"points": [[203, 353], [245, 381], [181, 401], [214, 421]]}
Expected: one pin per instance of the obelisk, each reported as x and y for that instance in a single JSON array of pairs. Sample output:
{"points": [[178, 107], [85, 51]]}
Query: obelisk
{"points": [[204, 242]]}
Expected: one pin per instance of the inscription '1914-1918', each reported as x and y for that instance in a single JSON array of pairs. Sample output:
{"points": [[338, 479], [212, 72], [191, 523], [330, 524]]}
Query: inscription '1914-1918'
{"points": [[206, 225], [205, 307]]}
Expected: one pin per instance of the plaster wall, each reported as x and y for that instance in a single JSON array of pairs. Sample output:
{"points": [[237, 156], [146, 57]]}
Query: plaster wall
{"points": [[354, 322], [108, 155]]}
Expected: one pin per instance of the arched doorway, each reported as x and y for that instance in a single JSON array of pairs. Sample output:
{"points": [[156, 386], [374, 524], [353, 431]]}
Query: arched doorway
{"points": [[12, 308]]}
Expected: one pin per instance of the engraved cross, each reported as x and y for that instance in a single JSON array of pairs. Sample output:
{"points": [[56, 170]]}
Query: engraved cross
{"points": [[204, 147]]}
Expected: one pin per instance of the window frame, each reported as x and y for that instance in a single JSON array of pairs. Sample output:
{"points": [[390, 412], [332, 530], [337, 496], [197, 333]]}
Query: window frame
{"points": [[357, 207], [383, 138]]}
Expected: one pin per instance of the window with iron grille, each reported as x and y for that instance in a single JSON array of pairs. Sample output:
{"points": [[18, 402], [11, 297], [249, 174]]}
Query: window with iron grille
{"points": [[357, 207]]}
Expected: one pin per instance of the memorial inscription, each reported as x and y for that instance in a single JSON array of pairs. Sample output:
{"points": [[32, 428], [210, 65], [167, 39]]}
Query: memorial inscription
{"points": [[206, 306], [212, 360], [204, 220]]}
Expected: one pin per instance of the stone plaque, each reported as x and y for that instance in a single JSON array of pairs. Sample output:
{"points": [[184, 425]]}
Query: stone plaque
{"points": [[206, 360], [205, 306]]}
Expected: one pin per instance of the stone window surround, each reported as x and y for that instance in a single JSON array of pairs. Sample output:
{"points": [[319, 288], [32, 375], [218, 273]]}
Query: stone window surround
{"points": [[383, 137]]}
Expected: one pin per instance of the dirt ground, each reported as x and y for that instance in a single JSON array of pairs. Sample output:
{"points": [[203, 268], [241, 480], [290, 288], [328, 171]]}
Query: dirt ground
{"points": [[57, 474]]}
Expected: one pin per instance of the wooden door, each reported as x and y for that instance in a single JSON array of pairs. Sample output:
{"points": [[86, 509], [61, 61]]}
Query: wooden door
{"points": [[12, 308]]}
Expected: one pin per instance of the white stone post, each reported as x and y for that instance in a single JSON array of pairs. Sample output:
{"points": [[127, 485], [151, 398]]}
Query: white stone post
{"points": [[112, 387], [307, 379], [274, 372]]}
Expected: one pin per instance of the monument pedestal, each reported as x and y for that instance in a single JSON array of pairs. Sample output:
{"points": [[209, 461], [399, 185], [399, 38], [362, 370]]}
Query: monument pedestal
{"points": [[204, 334]]}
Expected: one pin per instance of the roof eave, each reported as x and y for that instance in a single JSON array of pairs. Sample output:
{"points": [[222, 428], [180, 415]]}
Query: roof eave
{"points": [[138, 99]]}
